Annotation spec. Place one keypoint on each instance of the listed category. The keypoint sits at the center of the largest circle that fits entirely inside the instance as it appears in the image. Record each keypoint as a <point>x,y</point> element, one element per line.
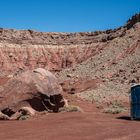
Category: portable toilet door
<point>135,102</point>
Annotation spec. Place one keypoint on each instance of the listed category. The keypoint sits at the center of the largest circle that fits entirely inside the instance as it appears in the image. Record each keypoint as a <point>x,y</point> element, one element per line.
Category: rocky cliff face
<point>52,57</point>
<point>38,38</point>
<point>29,49</point>
<point>110,59</point>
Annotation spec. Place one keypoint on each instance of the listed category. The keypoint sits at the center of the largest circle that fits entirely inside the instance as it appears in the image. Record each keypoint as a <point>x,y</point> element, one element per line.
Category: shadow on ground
<point>124,118</point>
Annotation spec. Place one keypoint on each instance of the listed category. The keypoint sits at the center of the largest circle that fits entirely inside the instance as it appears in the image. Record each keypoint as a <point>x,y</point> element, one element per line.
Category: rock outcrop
<point>132,21</point>
<point>14,56</point>
<point>27,49</point>
<point>111,56</point>
<point>37,89</point>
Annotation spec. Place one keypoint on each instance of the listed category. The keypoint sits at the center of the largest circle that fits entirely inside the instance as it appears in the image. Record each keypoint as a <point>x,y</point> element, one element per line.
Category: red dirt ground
<point>71,126</point>
<point>88,125</point>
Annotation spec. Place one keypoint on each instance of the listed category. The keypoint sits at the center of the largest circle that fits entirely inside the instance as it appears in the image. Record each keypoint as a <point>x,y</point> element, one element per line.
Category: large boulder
<point>37,88</point>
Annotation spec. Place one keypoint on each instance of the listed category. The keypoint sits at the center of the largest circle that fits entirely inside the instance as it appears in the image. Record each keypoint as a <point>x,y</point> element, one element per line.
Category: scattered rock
<point>69,75</point>
<point>4,116</point>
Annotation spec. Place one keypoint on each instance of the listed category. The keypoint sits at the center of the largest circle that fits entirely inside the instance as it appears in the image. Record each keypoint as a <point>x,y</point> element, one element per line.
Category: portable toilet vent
<point>135,102</point>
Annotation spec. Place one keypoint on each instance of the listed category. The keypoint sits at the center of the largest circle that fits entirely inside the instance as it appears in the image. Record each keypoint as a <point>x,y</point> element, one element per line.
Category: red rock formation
<point>29,49</point>
<point>55,58</point>
<point>38,89</point>
<point>112,56</point>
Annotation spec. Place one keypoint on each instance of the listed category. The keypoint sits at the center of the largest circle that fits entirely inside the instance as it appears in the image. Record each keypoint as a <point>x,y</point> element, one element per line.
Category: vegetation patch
<point>71,108</point>
<point>115,108</point>
<point>23,117</point>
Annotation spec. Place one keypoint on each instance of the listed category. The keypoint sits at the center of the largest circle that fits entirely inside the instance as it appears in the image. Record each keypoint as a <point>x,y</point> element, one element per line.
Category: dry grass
<point>115,108</point>
<point>23,117</point>
<point>71,108</point>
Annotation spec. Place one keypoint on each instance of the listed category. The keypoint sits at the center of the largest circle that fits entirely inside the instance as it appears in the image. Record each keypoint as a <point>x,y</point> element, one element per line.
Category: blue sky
<point>66,15</point>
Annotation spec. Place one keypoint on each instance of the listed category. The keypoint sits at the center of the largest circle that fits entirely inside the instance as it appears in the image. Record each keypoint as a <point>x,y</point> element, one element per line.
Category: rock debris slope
<point>111,57</point>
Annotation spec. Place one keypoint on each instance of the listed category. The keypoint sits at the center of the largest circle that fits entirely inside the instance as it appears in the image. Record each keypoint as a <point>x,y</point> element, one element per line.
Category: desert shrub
<point>23,117</point>
<point>115,108</point>
<point>71,108</point>
<point>112,110</point>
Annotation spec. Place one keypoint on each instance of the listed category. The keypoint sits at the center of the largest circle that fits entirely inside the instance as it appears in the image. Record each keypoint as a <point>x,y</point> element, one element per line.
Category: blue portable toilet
<point>135,102</point>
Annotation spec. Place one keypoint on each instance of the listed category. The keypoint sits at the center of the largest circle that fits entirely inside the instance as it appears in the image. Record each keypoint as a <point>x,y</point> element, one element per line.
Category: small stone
<point>10,54</point>
<point>69,75</point>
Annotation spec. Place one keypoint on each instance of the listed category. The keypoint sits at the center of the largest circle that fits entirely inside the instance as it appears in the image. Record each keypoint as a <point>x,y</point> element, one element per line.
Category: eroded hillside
<point>99,66</point>
<point>29,49</point>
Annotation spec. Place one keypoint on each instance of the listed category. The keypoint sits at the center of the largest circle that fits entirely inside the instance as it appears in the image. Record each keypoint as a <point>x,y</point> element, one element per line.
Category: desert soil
<point>88,125</point>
